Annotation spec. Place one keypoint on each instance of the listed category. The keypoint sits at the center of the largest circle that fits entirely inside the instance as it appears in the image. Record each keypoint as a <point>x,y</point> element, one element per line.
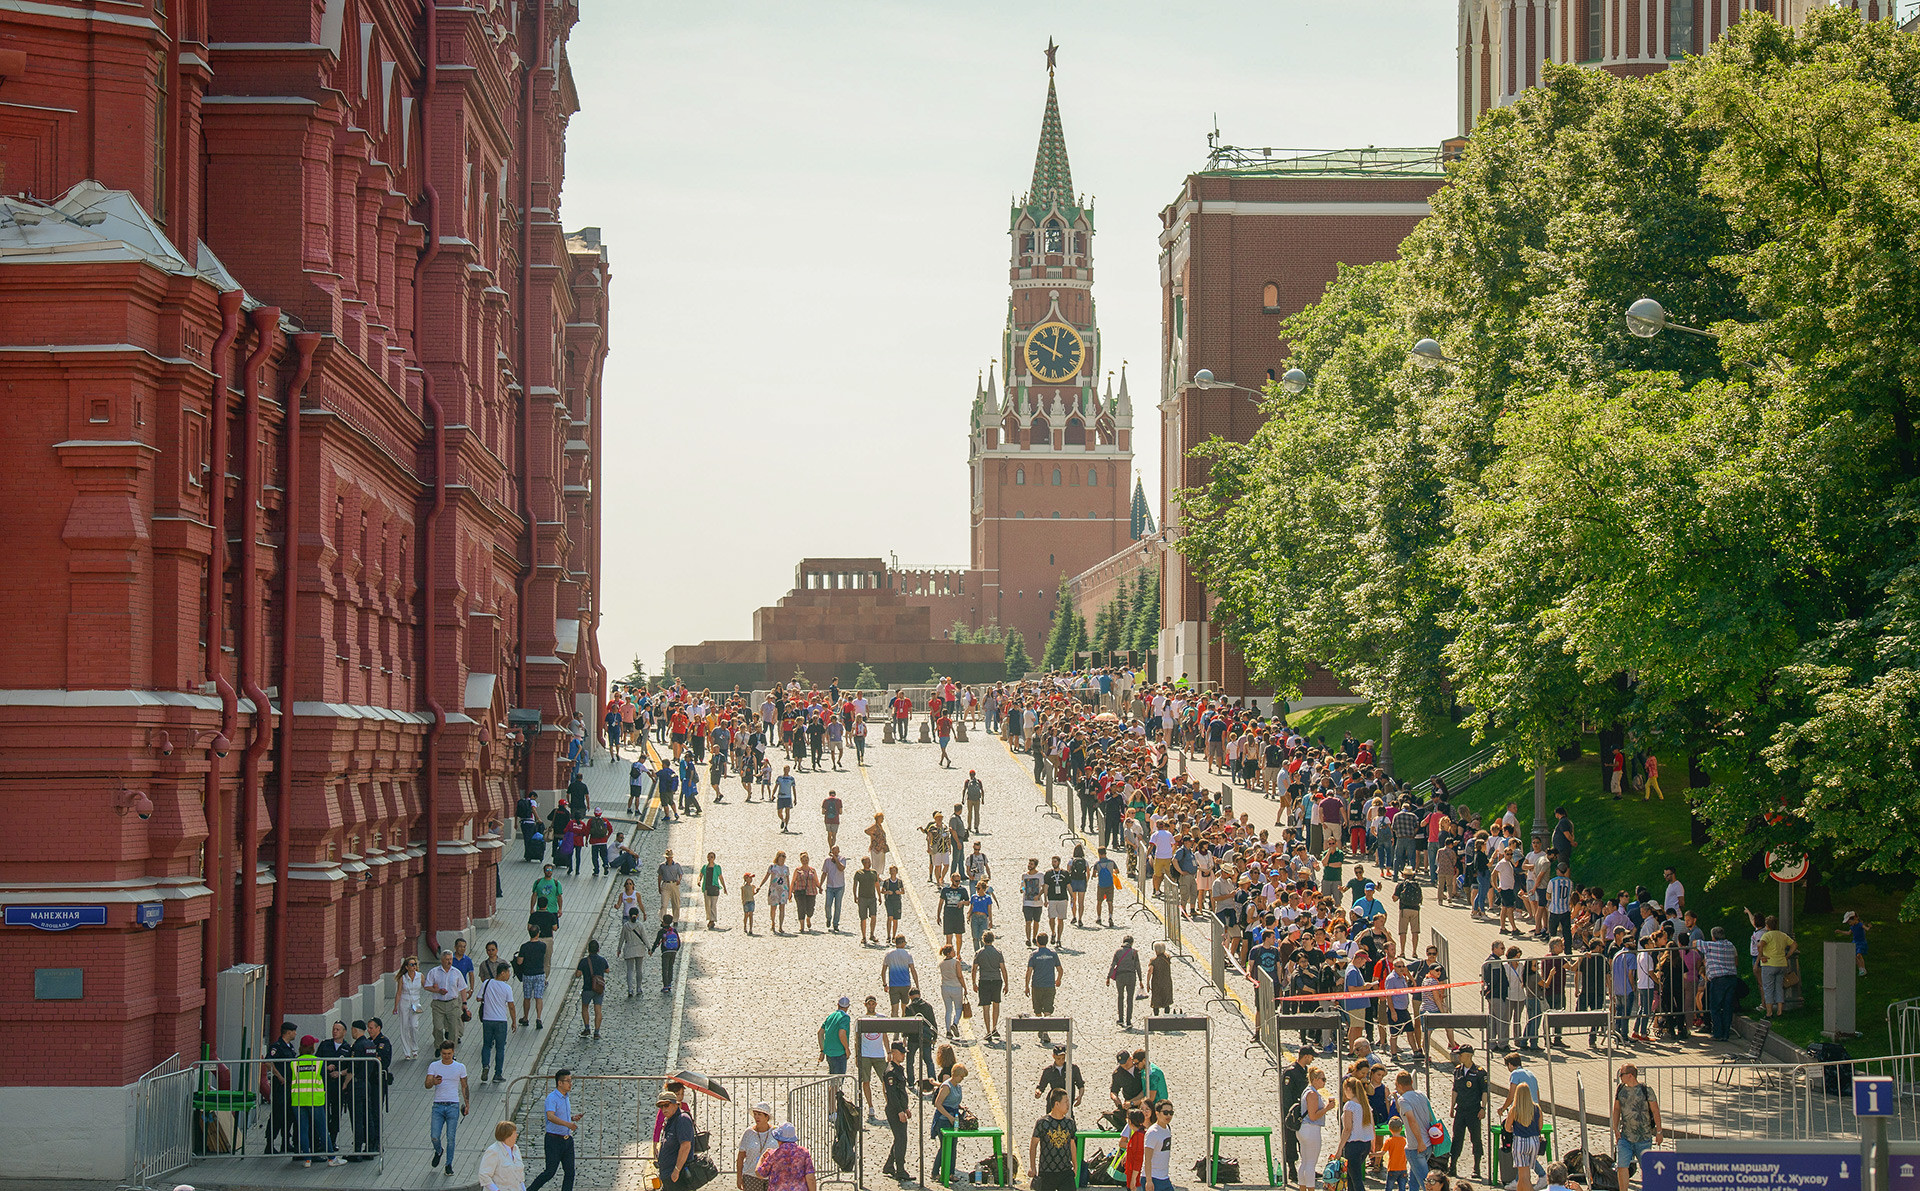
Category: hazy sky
<point>806,208</point>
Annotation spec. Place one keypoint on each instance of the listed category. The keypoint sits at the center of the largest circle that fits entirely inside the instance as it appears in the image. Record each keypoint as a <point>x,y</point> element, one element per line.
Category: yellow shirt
<point>1773,949</point>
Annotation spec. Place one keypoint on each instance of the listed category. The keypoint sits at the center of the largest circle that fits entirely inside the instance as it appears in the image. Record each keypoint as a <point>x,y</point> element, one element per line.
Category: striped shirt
<point>1560,895</point>
<point>1723,959</point>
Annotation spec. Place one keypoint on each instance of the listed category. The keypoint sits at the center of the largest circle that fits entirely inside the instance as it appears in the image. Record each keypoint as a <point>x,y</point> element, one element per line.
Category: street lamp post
<point>1647,318</point>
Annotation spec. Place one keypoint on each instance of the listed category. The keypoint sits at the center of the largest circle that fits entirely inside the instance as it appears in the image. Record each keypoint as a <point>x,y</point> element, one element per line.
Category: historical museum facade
<point>302,416</point>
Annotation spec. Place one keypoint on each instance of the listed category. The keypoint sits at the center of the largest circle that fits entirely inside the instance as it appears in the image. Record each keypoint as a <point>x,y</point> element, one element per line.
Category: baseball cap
<point>844,1002</point>
<point>1849,916</point>
<point>1369,886</point>
<point>309,1040</point>
<point>1059,1048</point>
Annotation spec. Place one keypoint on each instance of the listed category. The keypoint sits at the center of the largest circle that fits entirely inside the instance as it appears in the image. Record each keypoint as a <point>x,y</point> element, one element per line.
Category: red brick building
<point>302,420</point>
<point>843,614</point>
<point>1246,244</point>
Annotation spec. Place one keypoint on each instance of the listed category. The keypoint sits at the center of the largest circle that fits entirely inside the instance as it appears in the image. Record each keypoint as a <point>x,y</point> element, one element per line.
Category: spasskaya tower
<point>1052,462</point>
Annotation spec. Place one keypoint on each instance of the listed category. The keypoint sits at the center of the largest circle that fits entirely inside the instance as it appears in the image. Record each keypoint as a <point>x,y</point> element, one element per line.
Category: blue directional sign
<point>149,914</point>
<point>1873,1096</point>
<point>56,917</point>
<point>1664,1170</point>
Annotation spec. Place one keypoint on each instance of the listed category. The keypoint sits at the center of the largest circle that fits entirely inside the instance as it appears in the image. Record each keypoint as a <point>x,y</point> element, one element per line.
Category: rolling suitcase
<point>535,842</point>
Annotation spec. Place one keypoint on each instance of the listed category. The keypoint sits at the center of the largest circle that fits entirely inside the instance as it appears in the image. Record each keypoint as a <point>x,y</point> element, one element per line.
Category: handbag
<point>966,1010</point>
<point>701,1141</point>
<point>698,1172</point>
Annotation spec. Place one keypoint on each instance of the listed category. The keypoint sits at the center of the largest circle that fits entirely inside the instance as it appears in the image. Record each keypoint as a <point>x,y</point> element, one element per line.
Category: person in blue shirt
<point>689,786</point>
<point>558,1138</point>
<point>783,794</point>
<point>980,911</point>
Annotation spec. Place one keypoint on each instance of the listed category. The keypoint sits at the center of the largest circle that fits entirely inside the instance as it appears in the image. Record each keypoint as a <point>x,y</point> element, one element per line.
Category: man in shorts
<point>1057,883</point>
<point>866,900</point>
<point>989,984</point>
<point>531,963</point>
<point>1044,973</point>
<point>1106,877</point>
<point>1636,1121</point>
<point>871,1057</point>
<point>1031,884</point>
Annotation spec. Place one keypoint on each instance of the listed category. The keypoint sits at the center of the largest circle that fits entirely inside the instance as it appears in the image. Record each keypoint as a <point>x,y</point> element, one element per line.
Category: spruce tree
<point>1018,663</point>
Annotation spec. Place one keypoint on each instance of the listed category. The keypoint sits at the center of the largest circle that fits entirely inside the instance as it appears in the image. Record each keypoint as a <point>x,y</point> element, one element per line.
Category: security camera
<point>221,744</point>
<point>143,806</point>
<point>166,748</point>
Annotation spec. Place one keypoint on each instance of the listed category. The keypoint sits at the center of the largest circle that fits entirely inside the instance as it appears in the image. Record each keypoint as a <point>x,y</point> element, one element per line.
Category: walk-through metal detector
<point>1027,1024</point>
<point>1560,1020</point>
<point>1171,1023</point>
<point>921,1030</point>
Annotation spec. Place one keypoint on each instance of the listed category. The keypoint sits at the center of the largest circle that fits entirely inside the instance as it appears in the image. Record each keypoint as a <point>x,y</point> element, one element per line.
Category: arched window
<point>1075,434</point>
<point>1056,241</point>
<point>1049,560</point>
<point>1019,475</point>
<point>1040,434</point>
<point>1093,477</point>
<point>1056,481</point>
<point>1270,298</point>
<point>1026,242</point>
<point>1021,513</point>
<point>1056,514</point>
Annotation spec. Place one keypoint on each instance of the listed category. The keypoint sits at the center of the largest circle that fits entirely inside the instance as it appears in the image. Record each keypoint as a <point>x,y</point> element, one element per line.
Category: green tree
<point>1143,632</point>
<point>1106,626</point>
<point>866,679</point>
<point>1060,632</point>
<point>1018,663</point>
<point>1714,543</point>
<point>637,676</point>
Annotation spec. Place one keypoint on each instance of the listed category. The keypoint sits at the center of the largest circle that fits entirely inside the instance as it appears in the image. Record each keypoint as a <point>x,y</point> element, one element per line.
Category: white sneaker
<point>336,1160</point>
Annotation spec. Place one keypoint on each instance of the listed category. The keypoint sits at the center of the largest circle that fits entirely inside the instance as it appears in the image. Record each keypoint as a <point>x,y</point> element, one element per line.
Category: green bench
<point>943,1165</point>
<point>1263,1132</point>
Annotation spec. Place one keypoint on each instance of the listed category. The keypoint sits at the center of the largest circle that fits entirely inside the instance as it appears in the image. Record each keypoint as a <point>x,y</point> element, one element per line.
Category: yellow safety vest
<point>309,1090</point>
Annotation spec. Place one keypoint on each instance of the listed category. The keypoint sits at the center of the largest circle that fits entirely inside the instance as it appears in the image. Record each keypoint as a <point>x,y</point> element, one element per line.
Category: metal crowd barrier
<point>162,1123</point>
<point>242,1108</point>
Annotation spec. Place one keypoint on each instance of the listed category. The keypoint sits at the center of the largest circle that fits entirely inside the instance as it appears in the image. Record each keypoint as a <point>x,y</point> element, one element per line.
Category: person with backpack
<point>1077,873</point>
<point>666,941</point>
<point>599,831</point>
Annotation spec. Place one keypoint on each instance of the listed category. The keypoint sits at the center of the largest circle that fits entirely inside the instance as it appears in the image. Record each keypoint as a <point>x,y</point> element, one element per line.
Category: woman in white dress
<point>1313,1111</point>
<point>406,1007</point>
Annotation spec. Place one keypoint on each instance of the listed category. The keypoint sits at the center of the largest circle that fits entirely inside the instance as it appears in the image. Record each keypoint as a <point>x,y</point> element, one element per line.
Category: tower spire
<point>1052,179</point>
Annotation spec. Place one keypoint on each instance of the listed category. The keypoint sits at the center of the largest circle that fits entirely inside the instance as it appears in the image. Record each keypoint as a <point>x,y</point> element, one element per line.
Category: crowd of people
<point>1319,908</point>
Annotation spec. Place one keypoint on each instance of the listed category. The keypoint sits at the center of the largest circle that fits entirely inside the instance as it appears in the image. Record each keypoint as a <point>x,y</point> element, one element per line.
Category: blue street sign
<point>1873,1096</point>
<point>149,914</point>
<point>56,917</point>
<point>1664,1170</point>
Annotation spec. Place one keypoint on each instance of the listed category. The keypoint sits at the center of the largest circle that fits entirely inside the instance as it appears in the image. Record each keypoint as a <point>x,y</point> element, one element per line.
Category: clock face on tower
<point>1054,352</point>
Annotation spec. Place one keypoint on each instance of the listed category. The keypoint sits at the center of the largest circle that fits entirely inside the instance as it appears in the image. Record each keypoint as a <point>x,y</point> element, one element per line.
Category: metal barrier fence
<point>1903,1038</point>
<point>1776,1100</point>
<point>239,1108</point>
<point>617,1114</point>
<point>162,1119</point>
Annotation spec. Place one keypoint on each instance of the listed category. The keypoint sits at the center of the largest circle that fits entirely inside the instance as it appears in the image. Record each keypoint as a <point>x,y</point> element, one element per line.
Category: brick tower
<point>1049,464</point>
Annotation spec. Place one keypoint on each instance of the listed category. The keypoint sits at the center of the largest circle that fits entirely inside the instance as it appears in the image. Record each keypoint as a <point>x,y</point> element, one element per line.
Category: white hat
<point>763,1106</point>
<point>1849,916</point>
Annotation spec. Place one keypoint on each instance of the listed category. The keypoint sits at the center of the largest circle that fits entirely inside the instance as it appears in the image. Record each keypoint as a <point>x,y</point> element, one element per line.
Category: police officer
<point>364,1093</point>
<point>280,1118</point>
<point>894,1081</point>
<point>1469,1101</point>
<point>334,1052</point>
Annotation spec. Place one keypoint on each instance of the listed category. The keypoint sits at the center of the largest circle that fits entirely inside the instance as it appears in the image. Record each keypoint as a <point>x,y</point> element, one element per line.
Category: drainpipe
<point>430,531</point>
<point>213,862</point>
<point>266,324</point>
<point>303,346</point>
<point>535,63</point>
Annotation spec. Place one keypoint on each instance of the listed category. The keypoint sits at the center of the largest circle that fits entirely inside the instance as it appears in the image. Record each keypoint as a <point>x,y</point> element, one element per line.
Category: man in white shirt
<point>1503,881</point>
<point>447,1080</point>
<point>1676,899</point>
<point>450,990</point>
<point>496,1021</point>
<point>1161,841</point>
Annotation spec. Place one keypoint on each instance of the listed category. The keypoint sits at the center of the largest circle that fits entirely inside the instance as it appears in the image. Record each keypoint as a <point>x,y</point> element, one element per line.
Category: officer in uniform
<point>1469,1101</point>
<point>894,1081</point>
<point>333,1052</point>
<point>1293,1085</point>
<point>280,1114</point>
<point>364,1092</point>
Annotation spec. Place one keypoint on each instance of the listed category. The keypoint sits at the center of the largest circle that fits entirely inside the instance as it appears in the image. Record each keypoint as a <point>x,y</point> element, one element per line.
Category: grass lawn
<point>1628,843</point>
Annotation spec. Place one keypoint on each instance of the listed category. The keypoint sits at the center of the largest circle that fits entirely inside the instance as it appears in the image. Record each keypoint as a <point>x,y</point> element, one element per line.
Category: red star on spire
<point>1052,49</point>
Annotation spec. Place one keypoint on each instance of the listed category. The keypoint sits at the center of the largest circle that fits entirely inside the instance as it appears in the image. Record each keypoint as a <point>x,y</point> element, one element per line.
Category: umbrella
<point>700,1083</point>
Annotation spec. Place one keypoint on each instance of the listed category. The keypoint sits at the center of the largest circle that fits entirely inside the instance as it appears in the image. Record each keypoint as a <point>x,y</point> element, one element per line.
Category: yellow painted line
<point>973,1048</point>
<point>1120,883</point>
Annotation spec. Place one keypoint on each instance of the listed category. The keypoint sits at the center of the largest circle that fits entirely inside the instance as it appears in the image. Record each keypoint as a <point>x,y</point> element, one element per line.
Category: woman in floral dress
<point>776,883</point>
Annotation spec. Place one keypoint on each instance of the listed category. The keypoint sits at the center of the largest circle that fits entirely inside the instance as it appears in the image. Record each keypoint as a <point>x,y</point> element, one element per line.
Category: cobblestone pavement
<point>753,1004</point>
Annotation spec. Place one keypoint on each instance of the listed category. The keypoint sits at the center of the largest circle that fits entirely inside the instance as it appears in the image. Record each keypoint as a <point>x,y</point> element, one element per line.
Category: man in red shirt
<point>677,729</point>
<point>1619,772</point>
<point>902,708</point>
